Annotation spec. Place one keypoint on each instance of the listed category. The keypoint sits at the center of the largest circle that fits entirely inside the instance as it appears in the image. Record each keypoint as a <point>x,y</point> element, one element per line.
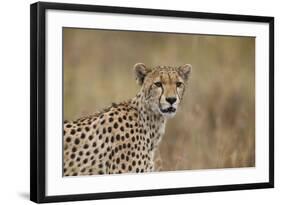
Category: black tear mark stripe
<point>148,94</point>
<point>180,96</point>
<point>162,91</point>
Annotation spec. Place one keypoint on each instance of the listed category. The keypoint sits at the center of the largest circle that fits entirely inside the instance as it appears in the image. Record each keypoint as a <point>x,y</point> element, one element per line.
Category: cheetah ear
<point>185,71</point>
<point>141,71</point>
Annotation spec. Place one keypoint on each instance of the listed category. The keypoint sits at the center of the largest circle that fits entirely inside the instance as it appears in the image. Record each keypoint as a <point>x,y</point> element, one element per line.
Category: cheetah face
<point>163,86</point>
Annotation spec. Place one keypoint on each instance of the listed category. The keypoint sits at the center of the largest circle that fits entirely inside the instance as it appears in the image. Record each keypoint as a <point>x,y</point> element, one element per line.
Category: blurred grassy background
<point>215,127</point>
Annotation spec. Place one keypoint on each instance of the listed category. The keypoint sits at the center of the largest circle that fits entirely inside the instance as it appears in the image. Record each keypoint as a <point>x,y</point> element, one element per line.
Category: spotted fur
<point>124,137</point>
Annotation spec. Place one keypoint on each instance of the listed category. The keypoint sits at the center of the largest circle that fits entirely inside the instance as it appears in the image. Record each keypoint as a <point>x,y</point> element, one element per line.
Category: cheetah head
<point>163,86</point>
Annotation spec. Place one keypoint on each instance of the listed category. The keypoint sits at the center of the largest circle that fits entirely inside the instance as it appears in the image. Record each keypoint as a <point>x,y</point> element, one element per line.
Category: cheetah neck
<point>153,122</point>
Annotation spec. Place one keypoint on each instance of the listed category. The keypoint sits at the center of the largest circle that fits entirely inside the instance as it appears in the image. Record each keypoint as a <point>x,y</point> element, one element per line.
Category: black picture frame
<point>38,101</point>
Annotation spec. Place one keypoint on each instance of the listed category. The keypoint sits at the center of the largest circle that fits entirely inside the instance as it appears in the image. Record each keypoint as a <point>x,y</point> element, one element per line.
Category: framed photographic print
<point>129,102</point>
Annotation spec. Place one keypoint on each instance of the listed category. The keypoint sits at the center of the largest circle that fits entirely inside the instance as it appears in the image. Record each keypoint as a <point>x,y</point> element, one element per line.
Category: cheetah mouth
<point>169,110</point>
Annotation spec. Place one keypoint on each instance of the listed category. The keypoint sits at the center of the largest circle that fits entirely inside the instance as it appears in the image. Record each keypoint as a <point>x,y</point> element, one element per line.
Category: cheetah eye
<point>158,84</point>
<point>179,84</point>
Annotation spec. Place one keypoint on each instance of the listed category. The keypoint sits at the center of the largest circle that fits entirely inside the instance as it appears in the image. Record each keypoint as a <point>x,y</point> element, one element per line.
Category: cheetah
<point>123,138</point>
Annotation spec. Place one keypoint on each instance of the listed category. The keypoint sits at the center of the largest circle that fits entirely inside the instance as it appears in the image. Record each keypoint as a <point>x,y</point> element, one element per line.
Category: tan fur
<point>124,137</point>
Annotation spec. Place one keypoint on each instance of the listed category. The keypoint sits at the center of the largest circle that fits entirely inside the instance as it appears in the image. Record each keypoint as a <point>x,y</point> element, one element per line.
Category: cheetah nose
<point>171,100</point>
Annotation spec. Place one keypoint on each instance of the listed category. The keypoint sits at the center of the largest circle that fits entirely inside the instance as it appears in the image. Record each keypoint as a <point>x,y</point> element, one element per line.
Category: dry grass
<point>215,127</point>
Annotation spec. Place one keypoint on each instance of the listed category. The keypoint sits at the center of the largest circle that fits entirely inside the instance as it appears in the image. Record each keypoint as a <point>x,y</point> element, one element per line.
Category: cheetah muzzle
<point>124,137</point>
